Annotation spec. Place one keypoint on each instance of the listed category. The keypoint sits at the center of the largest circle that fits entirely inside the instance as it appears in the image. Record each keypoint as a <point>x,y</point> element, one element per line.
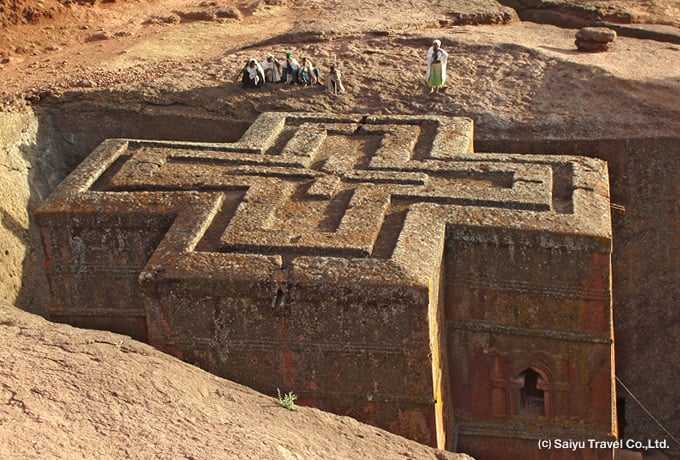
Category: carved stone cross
<point>365,262</point>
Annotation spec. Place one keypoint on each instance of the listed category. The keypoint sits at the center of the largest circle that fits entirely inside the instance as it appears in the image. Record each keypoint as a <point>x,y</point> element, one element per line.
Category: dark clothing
<point>250,83</point>
<point>288,70</point>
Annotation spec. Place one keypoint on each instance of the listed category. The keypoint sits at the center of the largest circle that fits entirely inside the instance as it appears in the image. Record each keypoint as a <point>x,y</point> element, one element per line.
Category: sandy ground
<point>510,78</point>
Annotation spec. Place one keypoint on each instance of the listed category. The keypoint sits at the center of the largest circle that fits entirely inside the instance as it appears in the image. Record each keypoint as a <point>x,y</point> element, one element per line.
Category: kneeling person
<point>272,69</point>
<point>253,74</point>
<point>309,75</point>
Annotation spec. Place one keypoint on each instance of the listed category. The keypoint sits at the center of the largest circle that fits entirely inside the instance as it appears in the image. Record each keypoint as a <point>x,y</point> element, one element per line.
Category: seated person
<point>334,81</point>
<point>309,75</point>
<point>272,69</point>
<point>253,75</point>
<point>290,69</point>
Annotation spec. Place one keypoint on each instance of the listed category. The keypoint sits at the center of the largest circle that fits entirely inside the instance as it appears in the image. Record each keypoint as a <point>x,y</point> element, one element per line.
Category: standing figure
<point>436,66</point>
<point>309,75</point>
<point>334,81</point>
<point>253,74</point>
<point>272,69</point>
<point>290,69</point>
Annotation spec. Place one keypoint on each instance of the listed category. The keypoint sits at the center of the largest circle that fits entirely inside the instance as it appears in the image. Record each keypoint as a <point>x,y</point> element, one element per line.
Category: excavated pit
<point>42,146</point>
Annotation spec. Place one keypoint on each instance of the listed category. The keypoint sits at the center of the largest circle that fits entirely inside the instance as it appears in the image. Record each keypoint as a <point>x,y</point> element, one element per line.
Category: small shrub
<point>287,400</point>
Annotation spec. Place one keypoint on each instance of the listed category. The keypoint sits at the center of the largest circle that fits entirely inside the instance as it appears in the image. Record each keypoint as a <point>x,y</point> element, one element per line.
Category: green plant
<point>287,400</point>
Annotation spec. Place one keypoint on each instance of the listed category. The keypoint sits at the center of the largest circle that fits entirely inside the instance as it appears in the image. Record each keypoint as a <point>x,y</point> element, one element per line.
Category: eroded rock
<point>594,38</point>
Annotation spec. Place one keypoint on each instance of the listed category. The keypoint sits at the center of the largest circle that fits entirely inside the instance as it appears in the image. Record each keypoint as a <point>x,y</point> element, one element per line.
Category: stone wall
<point>77,127</point>
<point>646,269</point>
<point>26,178</point>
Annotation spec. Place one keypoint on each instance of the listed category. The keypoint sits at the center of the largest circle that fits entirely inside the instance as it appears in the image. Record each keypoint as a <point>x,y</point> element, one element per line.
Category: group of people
<point>255,74</point>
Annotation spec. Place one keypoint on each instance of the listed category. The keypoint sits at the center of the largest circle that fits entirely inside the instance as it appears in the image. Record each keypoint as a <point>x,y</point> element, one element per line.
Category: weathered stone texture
<point>374,265</point>
<point>594,38</point>
<point>646,270</point>
<point>596,34</point>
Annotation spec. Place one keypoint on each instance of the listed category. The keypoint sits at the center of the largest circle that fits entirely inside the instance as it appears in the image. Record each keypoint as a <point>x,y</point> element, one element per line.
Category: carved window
<point>532,394</point>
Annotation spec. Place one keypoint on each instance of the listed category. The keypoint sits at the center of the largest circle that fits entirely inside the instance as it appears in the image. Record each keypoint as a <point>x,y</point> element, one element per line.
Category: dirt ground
<point>510,78</point>
<point>82,394</point>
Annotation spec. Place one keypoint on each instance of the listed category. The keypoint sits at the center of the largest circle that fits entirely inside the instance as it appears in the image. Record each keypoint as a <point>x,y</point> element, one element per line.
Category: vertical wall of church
<point>646,270</point>
<point>362,349</point>
<point>93,262</point>
<point>529,325</point>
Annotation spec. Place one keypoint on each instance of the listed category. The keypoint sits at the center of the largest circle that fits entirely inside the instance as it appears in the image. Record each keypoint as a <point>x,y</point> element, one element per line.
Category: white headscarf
<point>271,65</point>
<point>255,72</point>
<point>443,57</point>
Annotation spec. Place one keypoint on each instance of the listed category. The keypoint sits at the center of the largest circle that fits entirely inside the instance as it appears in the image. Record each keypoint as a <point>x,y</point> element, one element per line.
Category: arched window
<point>532,396</point>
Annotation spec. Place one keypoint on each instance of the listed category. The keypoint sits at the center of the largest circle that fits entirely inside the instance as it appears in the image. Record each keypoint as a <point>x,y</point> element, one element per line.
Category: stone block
<point>374,265</point>
<point>594,39</point>
<point>596,34</point>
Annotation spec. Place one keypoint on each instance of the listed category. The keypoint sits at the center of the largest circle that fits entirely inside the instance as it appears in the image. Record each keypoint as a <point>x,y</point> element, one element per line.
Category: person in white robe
<point>253,74</point>
<point>334,81</point>
<point>435,76</point>
<point>290,69</point>
<point>309,75</point>
<point>272,69</point>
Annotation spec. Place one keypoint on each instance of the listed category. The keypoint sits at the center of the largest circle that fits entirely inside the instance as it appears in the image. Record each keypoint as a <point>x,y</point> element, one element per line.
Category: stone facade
<point>376,266</point>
